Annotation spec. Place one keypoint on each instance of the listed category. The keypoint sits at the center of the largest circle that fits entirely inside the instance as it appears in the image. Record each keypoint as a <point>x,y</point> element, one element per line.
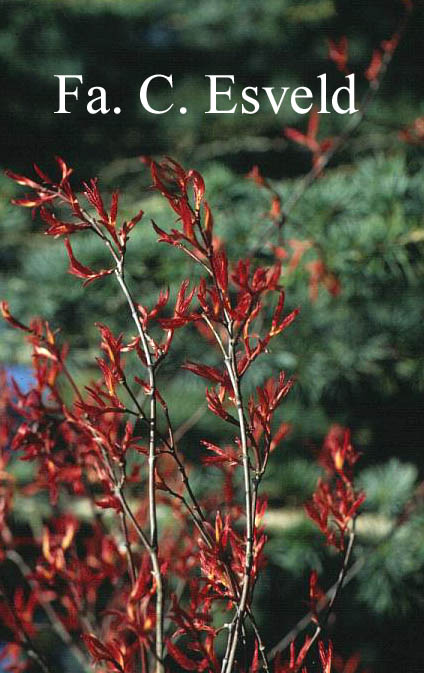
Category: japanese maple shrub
<point>120,591</point>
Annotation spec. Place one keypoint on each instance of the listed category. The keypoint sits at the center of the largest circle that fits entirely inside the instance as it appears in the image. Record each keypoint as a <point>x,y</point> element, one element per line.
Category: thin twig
<point>152,545</point>
<point>231,365</point>
<point>327,601</point>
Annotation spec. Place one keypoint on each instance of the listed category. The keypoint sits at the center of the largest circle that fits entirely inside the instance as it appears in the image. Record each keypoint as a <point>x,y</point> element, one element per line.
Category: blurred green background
<point>358,357</point>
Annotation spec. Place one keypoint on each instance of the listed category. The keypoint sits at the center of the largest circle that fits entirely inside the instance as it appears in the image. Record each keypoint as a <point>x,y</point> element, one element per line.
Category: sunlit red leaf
<point>4,307</point>
<point>82,271</point>
<point>205,371</point>
<point>182,659</point>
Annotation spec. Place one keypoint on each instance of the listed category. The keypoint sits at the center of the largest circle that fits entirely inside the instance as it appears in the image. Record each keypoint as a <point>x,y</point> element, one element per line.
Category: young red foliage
<point>81,448</point>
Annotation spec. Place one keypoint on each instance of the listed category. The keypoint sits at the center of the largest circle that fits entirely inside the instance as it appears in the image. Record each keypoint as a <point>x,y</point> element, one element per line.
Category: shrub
<point>130,564</point>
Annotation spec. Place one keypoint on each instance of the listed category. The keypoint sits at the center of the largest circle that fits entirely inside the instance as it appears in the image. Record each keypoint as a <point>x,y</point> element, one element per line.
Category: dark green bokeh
<point>358,356</point>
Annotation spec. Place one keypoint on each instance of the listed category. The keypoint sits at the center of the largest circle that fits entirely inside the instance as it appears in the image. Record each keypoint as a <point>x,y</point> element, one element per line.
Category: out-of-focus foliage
<point>117,44</point>
<point>357,356</point>
<point>389,486</point>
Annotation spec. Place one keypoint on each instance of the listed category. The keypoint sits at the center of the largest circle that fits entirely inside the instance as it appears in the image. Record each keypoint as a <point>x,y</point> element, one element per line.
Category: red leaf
<point>187,218</point>
<point>32,202</point>
<point>114,209</point>
<point>308,139</point>
<point>205,371</point>
<point>93,196</point>
<point>42,175</point>
<point>300,138</point>
<point>4,308</point>
<point>128,226</point>
<point>22,180</point>
<point>390,45</point>
<point>215,405</point>
<point>220,265</point>
<point>286,322</point>
<point>183,302</point>
<point>172,239</point>
<point>109,501</point>
<point>227,455</point>
<point>279,435</point>
<point>182,659</point>
<point>208,222</point>
<point>57,227</point>
<point>338,52</point>
<point>373,70</point>
<point>313,123</point>
<point>198,187</point>
<point>158,182</point>
<point>95,647</point>
<point>82,271</point>
<point>325,656</point>
<point>66,171</point>
<point>255,175</point>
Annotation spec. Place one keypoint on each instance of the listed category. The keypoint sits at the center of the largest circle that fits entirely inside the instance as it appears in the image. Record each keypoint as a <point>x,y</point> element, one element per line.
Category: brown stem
<point>194,509</point>
<point>339,585</point>
<point>174,452</point>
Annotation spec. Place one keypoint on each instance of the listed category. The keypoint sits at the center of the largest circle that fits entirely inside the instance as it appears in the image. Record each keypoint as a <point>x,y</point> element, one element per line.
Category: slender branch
<point>339,584</point>
<point>237,624</point>
<point>130,557</point>
<point>128,511</point>
<point>343,571</point>
<point>327,602</point>
<point>173,450</point>
<point>194,509</point>
<point>151,546</point>
<point>226,658</point>
<point>231,365</point>
<point>133,578</point>
<point>258,637</point>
